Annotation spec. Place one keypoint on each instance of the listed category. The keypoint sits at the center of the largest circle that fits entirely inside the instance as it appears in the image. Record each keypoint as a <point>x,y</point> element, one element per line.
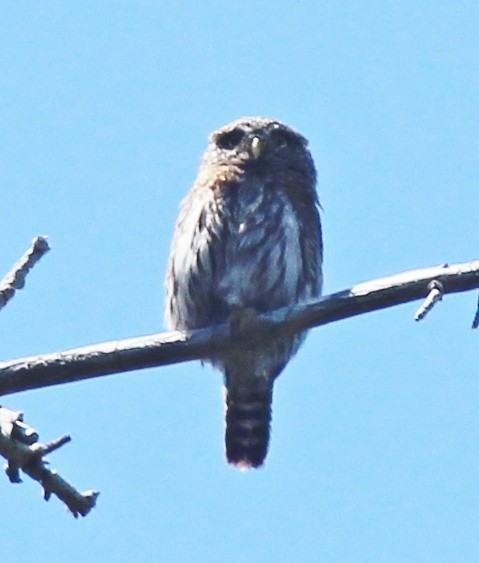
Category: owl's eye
<point>230,139</point>
<point>283,139</point>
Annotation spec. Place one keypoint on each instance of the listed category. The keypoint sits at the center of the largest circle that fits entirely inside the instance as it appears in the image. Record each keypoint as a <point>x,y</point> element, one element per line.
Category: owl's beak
<point>256,147</point>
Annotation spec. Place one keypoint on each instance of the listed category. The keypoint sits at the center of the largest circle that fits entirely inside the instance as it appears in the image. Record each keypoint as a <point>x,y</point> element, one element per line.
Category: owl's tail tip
<point>244,464</point>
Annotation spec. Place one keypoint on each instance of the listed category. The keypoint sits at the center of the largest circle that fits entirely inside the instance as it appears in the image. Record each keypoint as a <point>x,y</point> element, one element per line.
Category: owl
<point>247,241</point>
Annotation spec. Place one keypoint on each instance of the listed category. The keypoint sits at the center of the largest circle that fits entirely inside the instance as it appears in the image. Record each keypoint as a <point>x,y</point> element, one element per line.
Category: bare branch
<point>19,446</point>
<point>174,347</point>
<point>15,279</point>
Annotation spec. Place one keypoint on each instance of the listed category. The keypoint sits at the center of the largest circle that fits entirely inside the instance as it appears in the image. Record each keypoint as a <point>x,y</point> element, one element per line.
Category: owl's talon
<point>241,320</point>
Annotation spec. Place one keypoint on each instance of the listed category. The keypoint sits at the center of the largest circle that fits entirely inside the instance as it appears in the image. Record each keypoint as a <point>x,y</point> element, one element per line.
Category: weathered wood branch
<point>174,347</point>
<point>15,279</point>
<point>19,445</point>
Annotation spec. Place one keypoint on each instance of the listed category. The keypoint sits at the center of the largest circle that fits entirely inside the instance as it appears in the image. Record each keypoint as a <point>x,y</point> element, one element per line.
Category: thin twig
<point>15,279</point>
<point>174,347</point>
<point>54,445</point>
<point>435,294</point>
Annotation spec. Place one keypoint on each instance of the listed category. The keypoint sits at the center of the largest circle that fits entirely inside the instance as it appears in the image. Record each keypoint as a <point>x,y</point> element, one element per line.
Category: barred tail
<point>248,418</point>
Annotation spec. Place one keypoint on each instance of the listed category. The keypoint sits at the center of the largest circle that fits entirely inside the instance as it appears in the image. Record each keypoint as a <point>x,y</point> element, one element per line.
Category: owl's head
<point>261,145</point>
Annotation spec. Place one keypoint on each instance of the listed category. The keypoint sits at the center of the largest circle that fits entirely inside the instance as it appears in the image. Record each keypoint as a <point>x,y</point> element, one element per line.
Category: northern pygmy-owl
<point>248,238</point>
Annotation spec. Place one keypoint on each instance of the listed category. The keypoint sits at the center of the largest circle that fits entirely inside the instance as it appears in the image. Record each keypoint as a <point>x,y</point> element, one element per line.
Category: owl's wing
<point>311,242</point>
<point>196,251</point>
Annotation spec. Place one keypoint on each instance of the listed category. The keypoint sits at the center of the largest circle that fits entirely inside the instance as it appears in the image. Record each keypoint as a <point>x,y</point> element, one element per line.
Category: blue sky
<point>105,108</point>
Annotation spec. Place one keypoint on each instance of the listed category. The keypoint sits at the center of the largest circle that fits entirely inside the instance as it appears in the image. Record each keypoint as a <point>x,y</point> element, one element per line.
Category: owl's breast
<point>263,260</point>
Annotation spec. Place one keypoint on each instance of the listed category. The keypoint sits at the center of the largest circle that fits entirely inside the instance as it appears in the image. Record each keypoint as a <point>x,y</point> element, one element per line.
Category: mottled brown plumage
<point>248,239</point>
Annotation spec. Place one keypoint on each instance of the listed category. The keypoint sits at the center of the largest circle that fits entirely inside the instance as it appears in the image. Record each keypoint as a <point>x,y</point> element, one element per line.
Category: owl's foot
<point>242,320</point>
